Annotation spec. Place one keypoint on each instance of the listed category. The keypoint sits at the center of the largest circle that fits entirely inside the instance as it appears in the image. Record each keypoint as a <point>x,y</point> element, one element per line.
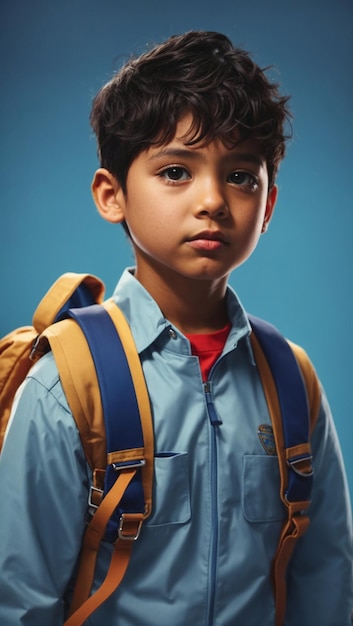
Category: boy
<point>190,138</point>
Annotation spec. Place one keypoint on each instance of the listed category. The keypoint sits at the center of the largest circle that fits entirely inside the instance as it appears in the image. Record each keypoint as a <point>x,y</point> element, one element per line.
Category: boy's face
<point>194,212</point>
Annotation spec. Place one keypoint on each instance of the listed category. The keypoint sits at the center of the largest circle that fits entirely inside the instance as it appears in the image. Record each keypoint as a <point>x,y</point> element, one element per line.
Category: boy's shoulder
<point>47,380</point>
<point>39,410</point>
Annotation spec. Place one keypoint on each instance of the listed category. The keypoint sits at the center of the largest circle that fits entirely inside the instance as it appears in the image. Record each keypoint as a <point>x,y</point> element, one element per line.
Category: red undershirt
<point>208,347</point>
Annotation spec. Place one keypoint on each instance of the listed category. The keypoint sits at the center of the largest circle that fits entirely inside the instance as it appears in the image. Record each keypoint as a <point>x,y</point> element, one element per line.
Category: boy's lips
<point>208,240</point>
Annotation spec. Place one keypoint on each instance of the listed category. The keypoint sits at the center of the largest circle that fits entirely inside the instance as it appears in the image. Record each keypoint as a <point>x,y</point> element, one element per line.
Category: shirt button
<point>172,333</point>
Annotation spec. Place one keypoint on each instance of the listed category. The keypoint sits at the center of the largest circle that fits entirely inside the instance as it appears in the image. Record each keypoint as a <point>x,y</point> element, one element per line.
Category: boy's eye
<point>175,173</point>
<point>243,178</point>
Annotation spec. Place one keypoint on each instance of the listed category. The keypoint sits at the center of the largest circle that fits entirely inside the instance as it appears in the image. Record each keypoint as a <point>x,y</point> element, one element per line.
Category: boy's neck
<point>190,305</point>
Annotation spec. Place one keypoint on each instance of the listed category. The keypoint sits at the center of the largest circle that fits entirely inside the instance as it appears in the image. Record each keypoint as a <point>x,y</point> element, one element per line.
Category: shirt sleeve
<point>43,495</point>
<point>320,584</point>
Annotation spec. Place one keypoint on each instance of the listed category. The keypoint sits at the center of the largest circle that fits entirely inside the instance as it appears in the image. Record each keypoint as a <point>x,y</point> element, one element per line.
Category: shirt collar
<point>143,314</point>
<point>147,321</point>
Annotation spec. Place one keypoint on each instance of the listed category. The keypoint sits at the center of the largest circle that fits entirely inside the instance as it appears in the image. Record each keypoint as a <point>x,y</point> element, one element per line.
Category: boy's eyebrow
<point>249,157</point>
<point>175,152</point>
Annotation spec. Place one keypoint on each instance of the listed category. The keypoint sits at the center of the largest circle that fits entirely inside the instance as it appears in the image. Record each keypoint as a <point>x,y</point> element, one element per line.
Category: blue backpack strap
<point>292,397</point>
<point>286,396</point>
<point>120,409</point>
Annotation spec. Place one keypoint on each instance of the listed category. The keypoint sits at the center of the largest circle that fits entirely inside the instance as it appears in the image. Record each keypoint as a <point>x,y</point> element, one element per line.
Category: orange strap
<point>82,605</point>
<point>297,521</point>
<point>295,526</point>
<point>118,565</point>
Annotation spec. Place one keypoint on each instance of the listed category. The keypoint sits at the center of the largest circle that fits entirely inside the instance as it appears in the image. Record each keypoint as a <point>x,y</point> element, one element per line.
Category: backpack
<point>89,339</point>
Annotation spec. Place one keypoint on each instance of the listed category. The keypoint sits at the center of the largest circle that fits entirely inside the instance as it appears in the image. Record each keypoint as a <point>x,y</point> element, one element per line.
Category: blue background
<point>56,55</point>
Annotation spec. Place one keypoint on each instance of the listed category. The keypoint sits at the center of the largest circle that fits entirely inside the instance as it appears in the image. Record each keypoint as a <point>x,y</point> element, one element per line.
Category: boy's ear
<point>108,196</point>
<point>270,206</point>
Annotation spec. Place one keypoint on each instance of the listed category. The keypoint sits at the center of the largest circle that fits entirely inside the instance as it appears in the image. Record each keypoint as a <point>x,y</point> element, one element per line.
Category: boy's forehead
<point>180,146</point>
<point>185,139</point>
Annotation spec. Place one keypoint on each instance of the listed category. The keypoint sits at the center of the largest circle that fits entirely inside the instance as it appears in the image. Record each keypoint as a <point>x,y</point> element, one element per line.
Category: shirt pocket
<point>171,490</point>
<point>261,489</point>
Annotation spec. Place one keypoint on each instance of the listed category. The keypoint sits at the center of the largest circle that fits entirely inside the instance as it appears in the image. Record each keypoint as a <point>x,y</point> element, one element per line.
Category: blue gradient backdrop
<point>56,54</point>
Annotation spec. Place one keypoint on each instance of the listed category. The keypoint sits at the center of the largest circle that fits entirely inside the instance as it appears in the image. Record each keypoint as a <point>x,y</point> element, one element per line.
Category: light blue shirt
<point>204,556</point>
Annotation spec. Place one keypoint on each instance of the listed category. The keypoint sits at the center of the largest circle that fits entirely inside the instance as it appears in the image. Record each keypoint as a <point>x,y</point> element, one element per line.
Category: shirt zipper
<point>215,421</point>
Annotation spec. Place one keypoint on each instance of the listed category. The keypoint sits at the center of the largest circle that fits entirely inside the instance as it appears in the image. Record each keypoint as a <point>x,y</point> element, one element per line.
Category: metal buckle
<point>125,536</point>
<point>128,465</point>
<point>90,502</point>
<point>293,464</point>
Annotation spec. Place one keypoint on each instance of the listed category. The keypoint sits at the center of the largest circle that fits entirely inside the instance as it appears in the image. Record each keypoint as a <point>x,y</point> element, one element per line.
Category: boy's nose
<point>211,200</point>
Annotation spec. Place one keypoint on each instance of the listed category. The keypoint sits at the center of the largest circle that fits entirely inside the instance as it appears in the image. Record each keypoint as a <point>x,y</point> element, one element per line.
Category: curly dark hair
<point>202,73</point>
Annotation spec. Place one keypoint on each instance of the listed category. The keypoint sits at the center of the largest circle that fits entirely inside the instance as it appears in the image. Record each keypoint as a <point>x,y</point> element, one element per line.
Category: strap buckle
<point>128,464</point>
<point>295,463</point>
<point>92,500</point>
<point>130,525</point>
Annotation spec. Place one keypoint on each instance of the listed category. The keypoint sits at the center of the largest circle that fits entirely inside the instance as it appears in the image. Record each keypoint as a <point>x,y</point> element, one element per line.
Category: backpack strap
<point>129,437</point>
<point>69,290</point>
<point>101,374</point>
<point>292,417</point>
